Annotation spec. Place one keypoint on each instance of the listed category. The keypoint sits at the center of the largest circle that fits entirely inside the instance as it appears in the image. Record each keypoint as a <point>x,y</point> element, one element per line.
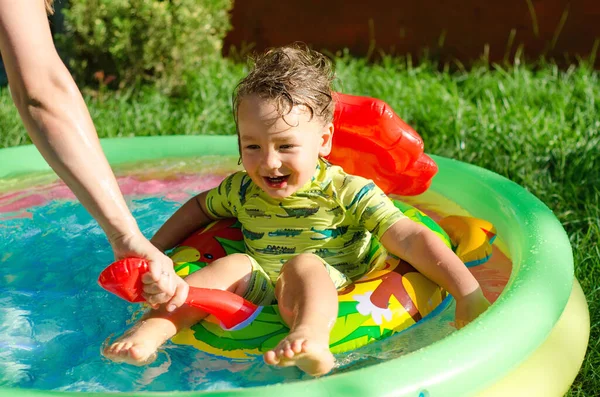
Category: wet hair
<point>49,6</point>
<point>290,76</point>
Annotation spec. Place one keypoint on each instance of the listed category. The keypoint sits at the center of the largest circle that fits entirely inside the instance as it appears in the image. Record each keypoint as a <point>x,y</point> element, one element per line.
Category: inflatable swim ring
<point>378,305</point>
<point>541,314</point>
<point>365,312</point>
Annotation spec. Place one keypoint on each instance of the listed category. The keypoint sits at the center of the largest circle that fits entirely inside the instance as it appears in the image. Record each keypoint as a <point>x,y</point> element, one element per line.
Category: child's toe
<point>289,353</point>
<point>270,357</point>
<point>297,346</point>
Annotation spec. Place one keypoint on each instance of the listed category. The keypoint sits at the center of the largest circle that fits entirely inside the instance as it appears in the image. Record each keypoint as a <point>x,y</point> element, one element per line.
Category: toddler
<point>309,228</point>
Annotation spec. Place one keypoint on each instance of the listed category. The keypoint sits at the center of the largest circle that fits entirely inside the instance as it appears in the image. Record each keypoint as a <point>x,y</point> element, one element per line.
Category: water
<point>54,318</point>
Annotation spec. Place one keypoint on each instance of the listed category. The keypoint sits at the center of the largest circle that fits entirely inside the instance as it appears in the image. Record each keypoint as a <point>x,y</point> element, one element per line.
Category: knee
<point>237,257</point>
<point>301,262</point>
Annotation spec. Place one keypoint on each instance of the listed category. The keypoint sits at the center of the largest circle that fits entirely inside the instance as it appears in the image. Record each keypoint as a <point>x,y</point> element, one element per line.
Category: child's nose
<point>272,160</point>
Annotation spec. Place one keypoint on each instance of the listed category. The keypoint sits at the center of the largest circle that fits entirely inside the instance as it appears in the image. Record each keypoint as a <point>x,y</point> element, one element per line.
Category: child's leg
<point>138,345</point>
<point>308,304</point>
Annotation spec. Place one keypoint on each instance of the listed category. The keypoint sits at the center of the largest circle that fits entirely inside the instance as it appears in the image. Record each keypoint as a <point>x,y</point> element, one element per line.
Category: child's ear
<point>326,140</point>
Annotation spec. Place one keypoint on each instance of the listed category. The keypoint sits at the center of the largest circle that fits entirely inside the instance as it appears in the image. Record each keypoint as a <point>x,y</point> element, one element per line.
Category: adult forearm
<point>55,114</point>
<point>58,122</point>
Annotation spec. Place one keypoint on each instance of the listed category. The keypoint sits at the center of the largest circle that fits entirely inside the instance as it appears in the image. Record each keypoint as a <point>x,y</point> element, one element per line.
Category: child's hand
<point>469,307</point>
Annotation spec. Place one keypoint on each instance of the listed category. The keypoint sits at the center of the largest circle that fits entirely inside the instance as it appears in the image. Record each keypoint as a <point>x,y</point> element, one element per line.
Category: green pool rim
<point>463,363</point>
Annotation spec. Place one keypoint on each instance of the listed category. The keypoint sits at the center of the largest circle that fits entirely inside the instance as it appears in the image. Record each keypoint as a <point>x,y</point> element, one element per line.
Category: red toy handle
<point>124,279</point>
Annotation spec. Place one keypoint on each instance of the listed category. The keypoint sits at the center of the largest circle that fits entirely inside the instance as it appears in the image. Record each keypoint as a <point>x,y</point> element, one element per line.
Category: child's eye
<point>286,147</point>
<point>252,147</point>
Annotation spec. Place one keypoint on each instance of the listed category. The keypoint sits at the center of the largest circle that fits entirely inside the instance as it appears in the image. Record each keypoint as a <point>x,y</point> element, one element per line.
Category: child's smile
<point>278,182</point>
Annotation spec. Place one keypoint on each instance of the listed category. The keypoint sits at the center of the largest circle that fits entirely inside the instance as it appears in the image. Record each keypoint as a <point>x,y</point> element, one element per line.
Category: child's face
<point>280,155</point>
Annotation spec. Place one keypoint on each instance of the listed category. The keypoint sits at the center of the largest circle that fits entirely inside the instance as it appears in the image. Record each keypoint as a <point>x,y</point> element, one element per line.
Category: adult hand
<point>161,284</point>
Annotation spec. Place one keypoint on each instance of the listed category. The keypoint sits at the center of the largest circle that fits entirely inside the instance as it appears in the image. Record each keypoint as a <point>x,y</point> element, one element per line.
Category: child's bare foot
<point>134,348</point>
<point>304,348</point>
<point>130,352</point>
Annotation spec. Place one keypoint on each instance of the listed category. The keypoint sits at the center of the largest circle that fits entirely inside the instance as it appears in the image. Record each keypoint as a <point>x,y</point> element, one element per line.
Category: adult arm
<point>58,122</point>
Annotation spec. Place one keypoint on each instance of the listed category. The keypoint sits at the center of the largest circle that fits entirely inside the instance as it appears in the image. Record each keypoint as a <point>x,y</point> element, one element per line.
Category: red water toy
<point>370,140</point>
<point>124,279</point>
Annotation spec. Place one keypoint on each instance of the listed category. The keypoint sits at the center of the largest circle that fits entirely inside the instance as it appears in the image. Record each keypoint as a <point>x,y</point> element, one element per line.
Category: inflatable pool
<point>531,341</point>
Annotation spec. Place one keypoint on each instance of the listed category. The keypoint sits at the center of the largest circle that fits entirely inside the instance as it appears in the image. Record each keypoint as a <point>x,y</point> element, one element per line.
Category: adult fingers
<point>161,291</point>
<point>156,273</point>
<point>181,293</point>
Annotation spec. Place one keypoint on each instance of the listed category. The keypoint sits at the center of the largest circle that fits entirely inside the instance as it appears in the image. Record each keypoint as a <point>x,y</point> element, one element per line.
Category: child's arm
<point>186,220</point>
<point>424,250</point>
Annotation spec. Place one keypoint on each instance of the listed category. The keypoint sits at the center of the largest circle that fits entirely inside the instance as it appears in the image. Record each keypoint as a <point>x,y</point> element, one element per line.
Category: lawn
<point>537,125</point>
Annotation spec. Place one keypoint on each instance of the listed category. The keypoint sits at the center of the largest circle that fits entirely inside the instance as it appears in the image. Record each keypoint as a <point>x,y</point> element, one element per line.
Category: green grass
<point>538,126</point>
